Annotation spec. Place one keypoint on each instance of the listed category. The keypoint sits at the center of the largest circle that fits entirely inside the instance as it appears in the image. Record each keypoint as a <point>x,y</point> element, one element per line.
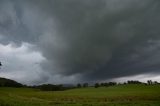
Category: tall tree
<point>79,85</point>
<point>96,85</point>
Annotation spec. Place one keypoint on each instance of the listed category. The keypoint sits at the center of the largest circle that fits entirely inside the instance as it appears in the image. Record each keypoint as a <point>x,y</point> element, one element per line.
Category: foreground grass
<point>120,95</point>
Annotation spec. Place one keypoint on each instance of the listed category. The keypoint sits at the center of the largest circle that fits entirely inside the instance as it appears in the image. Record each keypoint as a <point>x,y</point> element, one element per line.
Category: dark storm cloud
<point>94,39</point>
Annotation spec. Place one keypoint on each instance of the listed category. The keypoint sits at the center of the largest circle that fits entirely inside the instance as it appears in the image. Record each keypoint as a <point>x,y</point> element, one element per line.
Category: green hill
<point>4,82</point>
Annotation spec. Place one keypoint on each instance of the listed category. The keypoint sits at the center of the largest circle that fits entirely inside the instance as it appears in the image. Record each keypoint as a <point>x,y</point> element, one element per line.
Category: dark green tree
<point>85,85</point>
<point>79,85</point>
<point>149,82</point>
<point>96,85</point>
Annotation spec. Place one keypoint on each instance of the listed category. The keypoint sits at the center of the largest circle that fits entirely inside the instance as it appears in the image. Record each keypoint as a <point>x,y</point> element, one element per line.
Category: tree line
<point>107,84</point>
<point>60,87</point>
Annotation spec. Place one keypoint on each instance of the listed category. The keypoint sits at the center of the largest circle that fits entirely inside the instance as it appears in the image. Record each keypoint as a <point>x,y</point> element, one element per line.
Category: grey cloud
<point>95,39</point>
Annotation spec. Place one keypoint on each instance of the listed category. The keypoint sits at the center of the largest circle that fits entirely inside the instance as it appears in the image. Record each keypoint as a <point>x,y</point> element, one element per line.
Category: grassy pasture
<point>120,95</point>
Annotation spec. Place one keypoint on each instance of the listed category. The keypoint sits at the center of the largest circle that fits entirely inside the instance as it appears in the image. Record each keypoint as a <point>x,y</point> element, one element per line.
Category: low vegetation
<point>119,95</point>
<point>131,93</point>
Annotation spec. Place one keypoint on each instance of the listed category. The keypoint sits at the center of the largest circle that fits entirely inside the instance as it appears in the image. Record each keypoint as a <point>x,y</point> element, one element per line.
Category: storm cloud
<point>86,40</point>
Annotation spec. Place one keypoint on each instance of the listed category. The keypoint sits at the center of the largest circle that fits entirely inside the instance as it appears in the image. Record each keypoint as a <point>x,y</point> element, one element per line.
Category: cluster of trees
<point>107,84</point>
<point>52,87</point>
<point>96,85</point>
<point>134,82</point>
<point>82,85</point>
<point>150,82</point>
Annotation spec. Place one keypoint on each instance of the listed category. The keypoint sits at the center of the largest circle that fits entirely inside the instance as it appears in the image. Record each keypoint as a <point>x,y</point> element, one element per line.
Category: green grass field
<point>120,95</point>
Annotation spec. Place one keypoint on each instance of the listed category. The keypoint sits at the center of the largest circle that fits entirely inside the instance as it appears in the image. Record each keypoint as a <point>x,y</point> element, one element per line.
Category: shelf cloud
<point>84,40</point>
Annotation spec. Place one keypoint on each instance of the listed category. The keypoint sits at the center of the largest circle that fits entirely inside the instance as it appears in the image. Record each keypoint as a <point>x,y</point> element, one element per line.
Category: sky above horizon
<point>71,41</point>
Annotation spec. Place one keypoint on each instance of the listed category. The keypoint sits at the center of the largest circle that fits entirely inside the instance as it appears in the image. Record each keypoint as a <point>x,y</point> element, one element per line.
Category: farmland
<point>119,95</point>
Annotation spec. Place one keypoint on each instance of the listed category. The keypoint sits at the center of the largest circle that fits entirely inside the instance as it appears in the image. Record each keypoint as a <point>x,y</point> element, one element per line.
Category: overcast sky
<point>71,41</point>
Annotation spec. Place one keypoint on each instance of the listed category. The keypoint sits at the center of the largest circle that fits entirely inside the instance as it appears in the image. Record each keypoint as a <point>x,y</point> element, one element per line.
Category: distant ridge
<point>4,82</point>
